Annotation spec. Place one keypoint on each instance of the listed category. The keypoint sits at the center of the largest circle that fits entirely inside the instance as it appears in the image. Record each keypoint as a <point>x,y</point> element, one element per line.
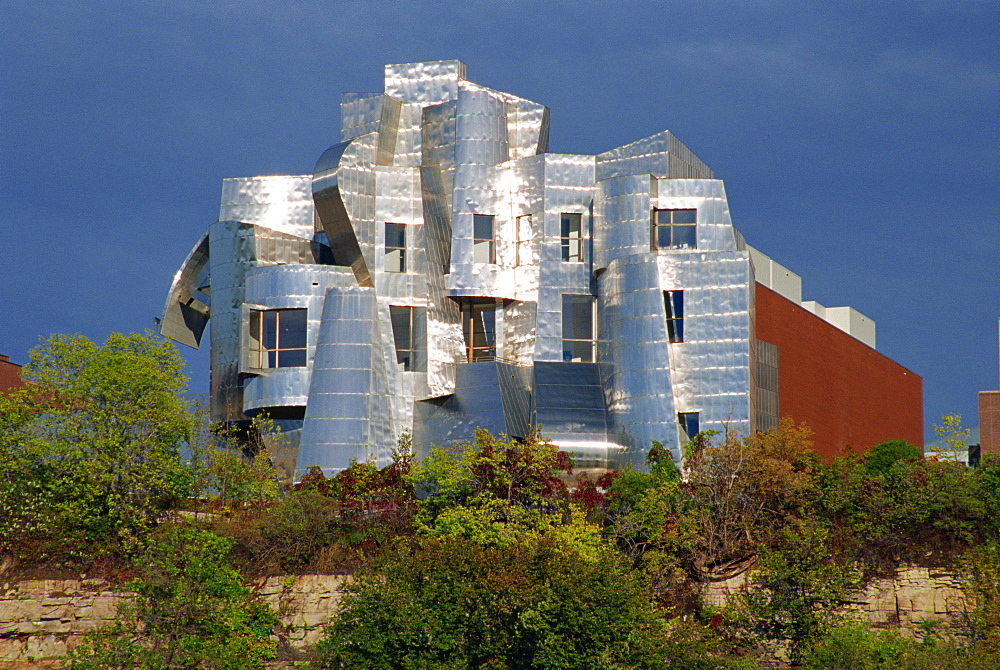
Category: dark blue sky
<point>859,142</point>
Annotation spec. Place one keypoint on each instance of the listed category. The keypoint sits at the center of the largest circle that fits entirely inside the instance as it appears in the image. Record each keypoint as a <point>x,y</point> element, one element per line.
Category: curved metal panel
<point>185,314</point>
<point>635,359</point>
<point>333,213</point>
<point>349,415</point>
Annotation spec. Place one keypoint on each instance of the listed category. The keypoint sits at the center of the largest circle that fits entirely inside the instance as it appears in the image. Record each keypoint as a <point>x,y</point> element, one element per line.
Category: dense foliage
<point>489,553</point>
<point>190,610</point>
<point>90,448</point>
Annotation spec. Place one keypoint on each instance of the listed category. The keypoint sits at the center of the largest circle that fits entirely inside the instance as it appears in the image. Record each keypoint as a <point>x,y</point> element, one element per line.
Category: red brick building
<point>989,422</point>
<point>828,374</point>
<point>848,393</point>
<point>10,374</point>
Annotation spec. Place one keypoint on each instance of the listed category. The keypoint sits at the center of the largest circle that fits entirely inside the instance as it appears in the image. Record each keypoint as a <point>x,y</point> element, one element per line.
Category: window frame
<point>478,242</point>
<point>568,298</point>
<point>412,356</point>
<point>261,355</point>
<point>674,228</point>
<point>388,250</point>
<point>469,309</point>
<point>568,238</point>
<point>684,424</point>
<point>673,311</point>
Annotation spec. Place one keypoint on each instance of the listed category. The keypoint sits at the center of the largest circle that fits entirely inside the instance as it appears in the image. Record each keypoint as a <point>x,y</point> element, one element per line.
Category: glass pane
<point>663,237</point>
<point>672,331</point>
<point>578,317</point>
<point>253,343</point>
<point>570,226</point>
<point>400,326</point>
<point>272,359</point>
<point>395,235</point>
<point>482,226</point>
<point>291,358</point>
<point>404,358</point>
<point>418,336</point>
<point>483,252</point>
<point>395,260</point>
<point>270,331</point>
<point>673,303</point>
<point>685,237</point>
<point>484,326</point>
<point>685,216</point>
<point>576,251</point>
<point>578,352</point>
<point>292,334</point>
<point>689,422</point>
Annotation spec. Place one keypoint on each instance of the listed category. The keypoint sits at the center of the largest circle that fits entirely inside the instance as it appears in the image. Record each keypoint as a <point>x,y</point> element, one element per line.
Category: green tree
<point>798,593</point>
<point>238,464</point>
<point>884,454</point>
<point>90,448</point>
<point>953,435</point>
<point>904,509</point>
<point>190,610</point>
<point>452,603</point>
<point>745,491</point>
<point>492,489</point>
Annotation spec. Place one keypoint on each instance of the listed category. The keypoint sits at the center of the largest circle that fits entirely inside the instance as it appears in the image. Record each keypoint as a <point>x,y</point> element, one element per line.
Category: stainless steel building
<point>441,270</point>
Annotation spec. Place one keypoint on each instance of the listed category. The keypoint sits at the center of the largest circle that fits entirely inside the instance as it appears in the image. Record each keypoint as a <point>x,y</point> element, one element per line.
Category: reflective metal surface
<point>433,154</point>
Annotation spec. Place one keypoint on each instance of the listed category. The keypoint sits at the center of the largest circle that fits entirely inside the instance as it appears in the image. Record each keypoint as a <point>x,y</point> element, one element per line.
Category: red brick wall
<point>10,374</point>
<point>989,422</point>
<point>848,393</point>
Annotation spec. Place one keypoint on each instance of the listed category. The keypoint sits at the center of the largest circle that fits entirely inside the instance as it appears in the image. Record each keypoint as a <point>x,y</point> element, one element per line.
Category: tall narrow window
<point>673,303</point>
<point>479,327</point>
<point>689,425</point>
<point>578,328</point>
<point>675,229</point>
<point>408,328</point>
<point>522,249</point>
<point>484,247</point>
<point>395,247</point>
<point>277,338</point>
<point>571,232</point>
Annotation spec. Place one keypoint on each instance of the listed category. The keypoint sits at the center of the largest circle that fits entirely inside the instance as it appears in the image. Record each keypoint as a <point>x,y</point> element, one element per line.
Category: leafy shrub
<point>884,454</point>
<point>857,647</point>
<point>452,603</point>
<point>190,610</point>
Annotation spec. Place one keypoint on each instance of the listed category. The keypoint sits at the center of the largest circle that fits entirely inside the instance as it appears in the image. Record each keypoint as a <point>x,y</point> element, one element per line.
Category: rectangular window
<point>409,326</point>
<point>571,232</point>
<point>675,229</point>
<point>395,247</point>
<point>673,304</point>
<point>578,328</point>
<point>479,327</point>
<point>689,425</point>
<point>277,338</point>
<point>484,247</point>
<point>522,248</point>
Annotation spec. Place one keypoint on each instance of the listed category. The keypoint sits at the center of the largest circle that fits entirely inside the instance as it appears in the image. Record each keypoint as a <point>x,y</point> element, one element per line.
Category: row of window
<point>672,229</point>
<point>278,336</point>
